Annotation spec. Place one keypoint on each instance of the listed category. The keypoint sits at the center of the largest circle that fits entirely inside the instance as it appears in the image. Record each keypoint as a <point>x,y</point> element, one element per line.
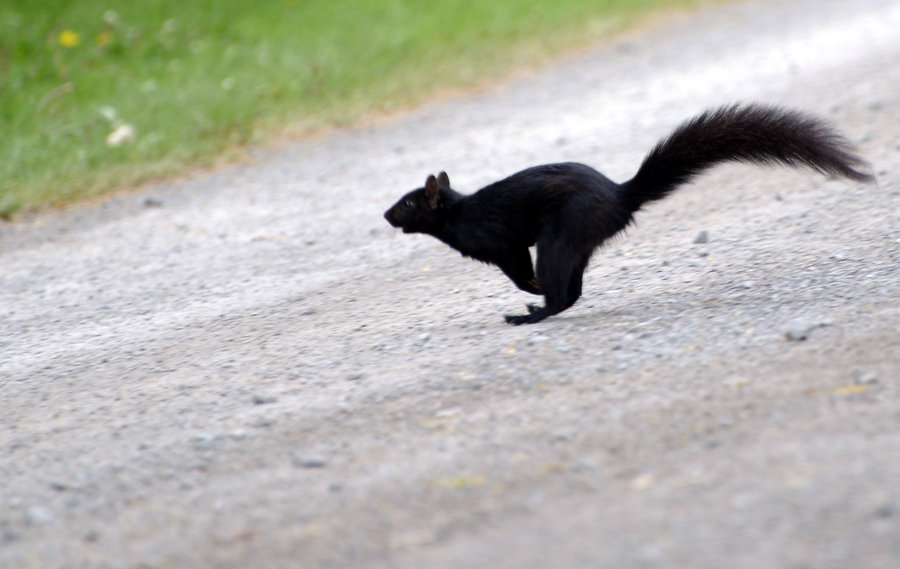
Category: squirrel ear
<point>432,191</point>
<point>443,180</point>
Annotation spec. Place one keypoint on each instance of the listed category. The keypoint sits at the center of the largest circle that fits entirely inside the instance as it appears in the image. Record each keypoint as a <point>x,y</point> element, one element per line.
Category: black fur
<point>569,209</point>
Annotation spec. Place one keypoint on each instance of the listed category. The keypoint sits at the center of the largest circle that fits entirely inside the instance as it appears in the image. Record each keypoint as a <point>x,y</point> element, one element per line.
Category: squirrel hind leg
<point>560,293</point>
<point>555,301</point>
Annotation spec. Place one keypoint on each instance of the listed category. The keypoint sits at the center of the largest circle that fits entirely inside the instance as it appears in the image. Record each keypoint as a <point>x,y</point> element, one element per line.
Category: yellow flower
<point>68,38</point>
<point>104,38</point>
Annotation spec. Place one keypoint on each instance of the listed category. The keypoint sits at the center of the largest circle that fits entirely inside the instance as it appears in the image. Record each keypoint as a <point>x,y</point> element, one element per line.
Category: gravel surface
<point>250,368</point>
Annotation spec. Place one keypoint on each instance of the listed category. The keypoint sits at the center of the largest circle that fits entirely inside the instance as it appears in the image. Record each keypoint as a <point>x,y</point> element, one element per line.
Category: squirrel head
<point>421,210</point>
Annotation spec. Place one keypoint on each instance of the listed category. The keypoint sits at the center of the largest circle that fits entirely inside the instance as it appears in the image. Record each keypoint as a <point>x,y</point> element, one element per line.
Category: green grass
<point>198,79</point>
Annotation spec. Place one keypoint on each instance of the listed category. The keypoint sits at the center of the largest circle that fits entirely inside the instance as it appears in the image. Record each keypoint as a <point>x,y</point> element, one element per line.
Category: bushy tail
<point>747,133</point>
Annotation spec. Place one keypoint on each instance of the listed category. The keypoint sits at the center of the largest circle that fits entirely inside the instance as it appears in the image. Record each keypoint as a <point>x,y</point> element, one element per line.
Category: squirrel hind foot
<point>535,314</point>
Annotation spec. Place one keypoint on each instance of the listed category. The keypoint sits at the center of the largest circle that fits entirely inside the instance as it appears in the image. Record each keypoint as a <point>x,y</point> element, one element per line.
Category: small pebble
<point>865,378</point>
<point>448,413</point>
<point>885,511</point>
<point>206,440</point>
<point>798,330</point>
<point>39,516</point>
<point>309,462</point>
<point>262,422</point>
<point>261,399</point>
<point>702,237</point>
<point>537,339</point>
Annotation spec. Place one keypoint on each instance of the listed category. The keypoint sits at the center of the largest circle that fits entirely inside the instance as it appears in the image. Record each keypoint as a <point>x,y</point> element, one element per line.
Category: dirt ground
<point>250,368</point>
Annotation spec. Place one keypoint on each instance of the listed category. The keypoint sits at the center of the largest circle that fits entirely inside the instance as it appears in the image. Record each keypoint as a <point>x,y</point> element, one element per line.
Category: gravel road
<point>250,368</point>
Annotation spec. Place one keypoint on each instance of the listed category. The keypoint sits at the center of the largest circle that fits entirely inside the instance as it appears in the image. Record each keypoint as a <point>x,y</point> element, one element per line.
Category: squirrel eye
<point>408,203</point>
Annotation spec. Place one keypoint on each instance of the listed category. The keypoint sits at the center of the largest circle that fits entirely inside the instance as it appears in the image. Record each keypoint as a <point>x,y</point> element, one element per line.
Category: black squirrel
<point>570,209</point>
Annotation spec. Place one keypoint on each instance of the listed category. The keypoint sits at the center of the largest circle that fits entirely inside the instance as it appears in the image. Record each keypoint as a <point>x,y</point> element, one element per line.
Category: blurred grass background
<point>194,80</point>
